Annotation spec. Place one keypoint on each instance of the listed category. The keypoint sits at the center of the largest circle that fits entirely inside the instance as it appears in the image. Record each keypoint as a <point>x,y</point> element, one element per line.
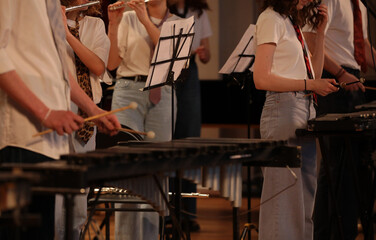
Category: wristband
<point>47,114</point>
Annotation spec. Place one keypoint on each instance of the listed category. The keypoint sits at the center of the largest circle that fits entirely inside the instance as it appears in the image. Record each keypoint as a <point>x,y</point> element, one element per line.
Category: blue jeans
<point>289,214</point>
<point>147,116</point>
<point>44,205</point>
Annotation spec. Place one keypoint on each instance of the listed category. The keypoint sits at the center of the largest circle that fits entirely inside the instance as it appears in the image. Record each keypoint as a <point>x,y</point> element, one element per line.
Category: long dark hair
<point>93,10</point>
<point>195,5</point>
<point>288,8</point>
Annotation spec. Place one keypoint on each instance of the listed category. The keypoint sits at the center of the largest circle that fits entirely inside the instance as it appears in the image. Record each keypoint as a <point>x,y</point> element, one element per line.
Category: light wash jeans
<point>288,216</point>
<point>147,117</point>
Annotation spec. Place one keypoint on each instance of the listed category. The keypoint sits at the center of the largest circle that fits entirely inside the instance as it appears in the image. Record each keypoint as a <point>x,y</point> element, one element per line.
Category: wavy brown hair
<point>93,10</point>
<point>286,8</point>
<point>195,5</point>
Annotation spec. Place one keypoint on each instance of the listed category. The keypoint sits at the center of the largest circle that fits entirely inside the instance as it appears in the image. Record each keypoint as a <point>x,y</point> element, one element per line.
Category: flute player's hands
<point>139,7</point>
<point>115,16</point>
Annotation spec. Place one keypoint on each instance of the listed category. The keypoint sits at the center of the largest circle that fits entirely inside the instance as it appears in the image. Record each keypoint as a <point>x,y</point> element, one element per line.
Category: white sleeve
<point>6,19</point>
<point>269,29</point>
<point>206,30</point>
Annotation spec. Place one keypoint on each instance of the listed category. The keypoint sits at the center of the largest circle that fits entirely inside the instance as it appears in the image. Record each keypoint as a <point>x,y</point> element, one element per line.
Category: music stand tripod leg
<point>235,223</point>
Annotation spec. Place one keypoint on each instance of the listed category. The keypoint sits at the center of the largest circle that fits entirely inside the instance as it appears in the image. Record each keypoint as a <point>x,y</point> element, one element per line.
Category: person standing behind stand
<point>188,91</point>
<point>283,67</point>
<point>35,94</point>
<point>133,36</point>
<point>346,17</point>
<point>88,47</point>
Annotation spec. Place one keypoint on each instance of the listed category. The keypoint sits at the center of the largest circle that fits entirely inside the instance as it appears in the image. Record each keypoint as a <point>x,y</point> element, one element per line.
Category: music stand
<point>171,55</point>
<point>239,67</point>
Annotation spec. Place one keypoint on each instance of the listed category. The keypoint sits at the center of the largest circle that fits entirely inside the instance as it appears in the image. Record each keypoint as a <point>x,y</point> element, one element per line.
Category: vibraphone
<point>215,163</point>
<point>360,124</point>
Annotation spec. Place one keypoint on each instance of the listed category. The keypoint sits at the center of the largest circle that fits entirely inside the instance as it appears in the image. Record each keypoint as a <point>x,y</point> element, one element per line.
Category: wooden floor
<point>215,219</point>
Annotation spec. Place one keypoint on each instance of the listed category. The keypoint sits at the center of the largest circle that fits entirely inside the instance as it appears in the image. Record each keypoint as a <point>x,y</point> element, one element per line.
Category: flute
<point>116,7</point>
<point>78,7</point>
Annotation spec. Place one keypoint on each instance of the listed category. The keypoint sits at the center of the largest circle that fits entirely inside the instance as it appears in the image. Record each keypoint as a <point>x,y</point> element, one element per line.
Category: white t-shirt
<point>135,45</point>
<point>27,46</point>
<point>339,38</point>
<point>288,59</point>
<point>202,26</point>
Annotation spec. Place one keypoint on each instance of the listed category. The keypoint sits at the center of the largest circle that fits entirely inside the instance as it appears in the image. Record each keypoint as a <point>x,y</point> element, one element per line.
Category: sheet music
<point>246,46</point>
<point>164,51</point>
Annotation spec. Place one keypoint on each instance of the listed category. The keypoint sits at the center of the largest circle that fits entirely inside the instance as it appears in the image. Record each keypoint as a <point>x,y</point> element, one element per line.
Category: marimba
<point>215,163</point>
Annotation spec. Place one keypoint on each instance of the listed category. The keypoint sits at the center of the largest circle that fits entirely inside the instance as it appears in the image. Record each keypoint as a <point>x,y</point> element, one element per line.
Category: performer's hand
<point>323,12</point>
<point>63,121</point>
<point>115,16</point>
<point>108,124</point>
<point>323,86</point>
<point>139,7</point>
<point>202,53</point>
<point>348,78</point>
<point>64,16</point>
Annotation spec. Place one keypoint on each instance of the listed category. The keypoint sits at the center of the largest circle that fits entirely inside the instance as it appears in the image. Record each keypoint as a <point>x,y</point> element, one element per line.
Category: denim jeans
<point>147,116</point>
<point>288,215</point>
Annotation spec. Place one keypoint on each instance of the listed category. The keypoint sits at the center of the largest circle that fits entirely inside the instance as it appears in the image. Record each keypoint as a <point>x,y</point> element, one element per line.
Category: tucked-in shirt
<point>339,38</point>
<point>135,45</point>
<point>202,26</point>
<point>27,46</point>
<point>288,59</point>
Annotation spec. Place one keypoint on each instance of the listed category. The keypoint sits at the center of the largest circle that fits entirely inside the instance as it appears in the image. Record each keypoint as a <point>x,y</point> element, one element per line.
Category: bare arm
<point>60,121</point>
<point>140,8</point>
<point>114,17</point>
<point>369,50</point>
<point>108,124</point>
<point>203,51</point>
<point>315,42</point>
<point>266,80</point>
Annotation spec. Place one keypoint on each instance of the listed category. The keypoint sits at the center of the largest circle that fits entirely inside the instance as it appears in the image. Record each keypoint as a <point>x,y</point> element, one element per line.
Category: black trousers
<point>43,205</point>
<point>342,166</point>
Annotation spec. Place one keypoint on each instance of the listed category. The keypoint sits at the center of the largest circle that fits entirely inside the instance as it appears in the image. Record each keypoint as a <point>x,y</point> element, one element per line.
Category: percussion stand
<point>179,43</point>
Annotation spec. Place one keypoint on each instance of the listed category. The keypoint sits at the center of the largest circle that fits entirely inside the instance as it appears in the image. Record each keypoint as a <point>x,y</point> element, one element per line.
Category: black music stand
<point>238,67</point>
<point>171,55</point>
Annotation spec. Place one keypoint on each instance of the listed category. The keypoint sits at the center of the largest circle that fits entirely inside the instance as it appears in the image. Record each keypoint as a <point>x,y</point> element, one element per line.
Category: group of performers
<point>52,63</point>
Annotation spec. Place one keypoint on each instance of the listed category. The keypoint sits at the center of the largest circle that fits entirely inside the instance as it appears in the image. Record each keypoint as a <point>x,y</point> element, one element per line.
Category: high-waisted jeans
<point>288,215</point>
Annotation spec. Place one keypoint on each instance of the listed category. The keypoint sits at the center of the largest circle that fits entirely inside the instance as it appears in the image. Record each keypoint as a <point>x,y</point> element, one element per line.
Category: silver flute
<point>78,7</point>
<point>113,8</point>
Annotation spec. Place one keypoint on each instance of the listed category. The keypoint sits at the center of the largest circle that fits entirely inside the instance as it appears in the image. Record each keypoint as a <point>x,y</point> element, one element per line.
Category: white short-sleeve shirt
<point>339,38</point>
<point>288,59</point>
<point>135,45</point>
